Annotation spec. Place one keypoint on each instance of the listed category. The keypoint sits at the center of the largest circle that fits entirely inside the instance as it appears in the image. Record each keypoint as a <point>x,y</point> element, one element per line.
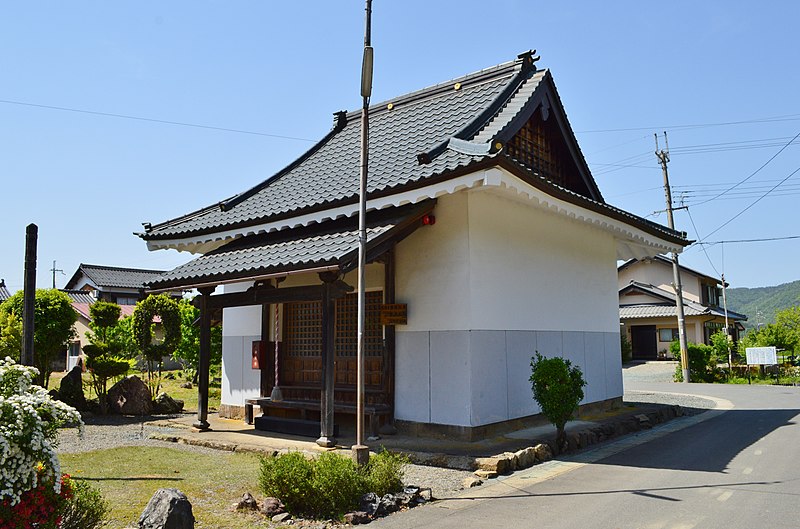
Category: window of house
<point>667,335</point>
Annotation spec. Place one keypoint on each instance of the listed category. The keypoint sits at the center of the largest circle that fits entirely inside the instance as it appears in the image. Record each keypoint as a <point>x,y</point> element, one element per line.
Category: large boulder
<point>164,404</point>
<point>130,396</point>
<point>167,509</point>
<point>70,391</point>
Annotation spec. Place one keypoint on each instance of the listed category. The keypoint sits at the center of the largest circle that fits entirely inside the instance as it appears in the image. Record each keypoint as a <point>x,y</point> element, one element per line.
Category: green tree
<point>558,389</point>
<point>789,321</point>
<point>188,350</point>
<point>103,355</point>
<point>168,310</point>
<point>721,346</point>
<point>53,322</point>
<point>10,336</point>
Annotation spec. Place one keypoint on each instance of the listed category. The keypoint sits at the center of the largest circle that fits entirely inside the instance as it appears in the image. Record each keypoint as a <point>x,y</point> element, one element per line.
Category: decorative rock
<point>70,391</point>
<point>425,495</point>
<point>282,517</point>
<point>486,474</point>
<point>130,396</point>
<point>526,457</point>
<point>543,452</point>
<point>499,464</point>
<point>471,481</point>
<point>247,503</point>
<point>272,506</point>
<point>167,509</point>
<point>370,504</point>
<point>167,405</point>
<point>357,518</point>
<point>186,385</point>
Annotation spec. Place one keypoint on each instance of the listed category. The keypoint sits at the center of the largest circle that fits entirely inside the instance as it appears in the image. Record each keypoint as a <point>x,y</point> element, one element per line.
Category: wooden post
<point>29,295</point>
<point>389,333</point>
<point>204,365</point>
<point>326,437</point>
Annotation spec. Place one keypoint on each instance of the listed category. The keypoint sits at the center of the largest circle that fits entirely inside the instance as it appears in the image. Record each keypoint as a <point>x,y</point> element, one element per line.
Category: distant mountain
<point>760,304</point>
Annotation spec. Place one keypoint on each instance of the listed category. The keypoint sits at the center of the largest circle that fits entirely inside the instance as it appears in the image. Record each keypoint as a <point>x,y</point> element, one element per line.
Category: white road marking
<point>725,495</point>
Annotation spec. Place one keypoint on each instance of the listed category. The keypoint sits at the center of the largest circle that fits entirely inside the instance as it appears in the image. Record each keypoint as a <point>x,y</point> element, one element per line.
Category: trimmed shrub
<point>702,362</point>
<point>331,485</point>
<point>558,389</point>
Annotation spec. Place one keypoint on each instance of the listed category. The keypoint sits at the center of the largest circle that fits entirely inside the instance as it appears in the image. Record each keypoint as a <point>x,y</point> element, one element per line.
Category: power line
<point>753,203</point>
<point>774,119</point>
<point>697,232</point>
<point>763,239</point>
<point>755,173</point>
<point>152,120</point>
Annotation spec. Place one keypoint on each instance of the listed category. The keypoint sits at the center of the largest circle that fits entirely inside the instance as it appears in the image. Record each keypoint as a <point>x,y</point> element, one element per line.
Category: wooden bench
<point>373,411</point>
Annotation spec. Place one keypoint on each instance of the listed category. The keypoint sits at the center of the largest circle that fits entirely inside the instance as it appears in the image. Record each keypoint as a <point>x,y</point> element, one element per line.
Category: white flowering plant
<point>29,422</point>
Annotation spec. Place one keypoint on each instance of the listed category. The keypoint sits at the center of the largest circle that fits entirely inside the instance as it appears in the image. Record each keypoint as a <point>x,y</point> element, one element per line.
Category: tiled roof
<point>327,244</point>
<point>667,309</point>
<point>329,172</point>
<point>82,308</point>
<point>114,277</point>
<point>80,296</point>
<point>4,293</point>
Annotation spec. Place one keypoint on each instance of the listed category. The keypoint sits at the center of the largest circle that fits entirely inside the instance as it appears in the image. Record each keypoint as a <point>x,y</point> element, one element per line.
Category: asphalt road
<point>736,466</point>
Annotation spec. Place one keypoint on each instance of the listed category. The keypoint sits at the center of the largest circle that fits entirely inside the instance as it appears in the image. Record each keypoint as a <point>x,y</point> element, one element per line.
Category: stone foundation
<point>477,433</point>
<point>231,411</point>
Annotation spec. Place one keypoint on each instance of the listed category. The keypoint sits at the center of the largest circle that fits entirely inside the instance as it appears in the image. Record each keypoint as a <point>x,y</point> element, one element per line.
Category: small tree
<point>10,336</point>
<point>558,389</point>
<point>52,321</point>
<point>188,350</point>
<point>167,309</point>
<point>102,355</point>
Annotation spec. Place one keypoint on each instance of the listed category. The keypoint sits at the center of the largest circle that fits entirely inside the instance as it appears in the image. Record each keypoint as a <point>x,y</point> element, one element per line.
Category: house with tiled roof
<point>4,293</point>
<point>488,240</point>
<point>648,311</point>
<point>124,286</point>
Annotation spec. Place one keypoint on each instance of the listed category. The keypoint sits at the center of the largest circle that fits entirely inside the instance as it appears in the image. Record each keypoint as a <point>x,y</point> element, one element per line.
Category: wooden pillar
<point>326,437</point>
<point>389,334</point>
<point>204,365</point>
<point>29,297</point>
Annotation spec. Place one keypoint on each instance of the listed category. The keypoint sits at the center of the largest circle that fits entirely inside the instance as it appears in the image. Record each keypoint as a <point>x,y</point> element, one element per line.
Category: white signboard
<point>761,356</point>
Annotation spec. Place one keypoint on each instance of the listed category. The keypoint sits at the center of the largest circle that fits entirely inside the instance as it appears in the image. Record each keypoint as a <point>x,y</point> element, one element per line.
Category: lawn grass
<point>128,477</point>
<point>169,386</point>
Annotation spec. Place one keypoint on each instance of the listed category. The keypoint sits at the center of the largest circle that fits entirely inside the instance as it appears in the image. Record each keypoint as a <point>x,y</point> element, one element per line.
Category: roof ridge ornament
<point>529,59</point>
<point>339,120</point>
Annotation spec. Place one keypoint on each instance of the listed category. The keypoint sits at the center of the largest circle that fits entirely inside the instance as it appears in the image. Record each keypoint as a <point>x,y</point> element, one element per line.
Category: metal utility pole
<point>29,294</point>
<point>663,158</point>
<point>54,270</point>
<point>360,450</point>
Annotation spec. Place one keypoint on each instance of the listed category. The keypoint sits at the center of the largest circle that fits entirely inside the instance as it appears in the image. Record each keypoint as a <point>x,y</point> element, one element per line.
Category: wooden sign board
<point>394,314</point>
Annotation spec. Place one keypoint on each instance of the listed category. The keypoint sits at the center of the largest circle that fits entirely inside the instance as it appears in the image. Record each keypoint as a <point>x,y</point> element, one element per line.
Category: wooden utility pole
<point>663,158</point>
<point>29,294</point>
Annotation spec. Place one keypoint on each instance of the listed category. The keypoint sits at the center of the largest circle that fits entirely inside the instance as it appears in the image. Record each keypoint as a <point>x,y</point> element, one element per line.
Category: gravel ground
<point>662,371</point>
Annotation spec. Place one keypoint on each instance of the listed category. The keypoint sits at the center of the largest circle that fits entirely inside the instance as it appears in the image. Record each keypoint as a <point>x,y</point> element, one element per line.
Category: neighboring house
<point>648,312</point>
<point>123,286</point>
<point>487,240</point>
<point>4,293</point>
<point>81,301</point>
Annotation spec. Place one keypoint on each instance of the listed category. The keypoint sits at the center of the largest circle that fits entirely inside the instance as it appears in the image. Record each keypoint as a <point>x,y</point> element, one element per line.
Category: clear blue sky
<point>624,70</point>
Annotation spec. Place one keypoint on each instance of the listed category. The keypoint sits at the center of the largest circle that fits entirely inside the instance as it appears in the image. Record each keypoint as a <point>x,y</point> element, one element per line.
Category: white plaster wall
<point>636,299</point>
<point>531,269</point>
<point>493,281</point>
<point>432,270</point>
<point>241,326</point>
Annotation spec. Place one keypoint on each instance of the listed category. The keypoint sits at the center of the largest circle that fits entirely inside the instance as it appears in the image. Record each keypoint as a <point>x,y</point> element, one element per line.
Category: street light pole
<point>360,450</point>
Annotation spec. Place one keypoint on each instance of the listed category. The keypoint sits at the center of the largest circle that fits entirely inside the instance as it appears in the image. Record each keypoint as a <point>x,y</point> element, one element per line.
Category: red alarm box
<point>259,355</point>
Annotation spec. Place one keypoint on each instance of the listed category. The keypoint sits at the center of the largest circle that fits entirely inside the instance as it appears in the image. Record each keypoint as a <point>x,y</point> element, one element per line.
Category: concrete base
<point>360,454</point>
<point>326,442</point>
<point>201,426</point>
<point>486,431</point>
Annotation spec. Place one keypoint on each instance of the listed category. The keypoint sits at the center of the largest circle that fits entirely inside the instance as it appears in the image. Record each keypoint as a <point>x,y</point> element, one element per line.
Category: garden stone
<point>247,503</point>
<point>272,506</point>
<point>471,481</point>
<point>70,391</point>
<point>370,503</point>
<point>282,517</point>
<point>389,503</point>
<point>167,509</point>
<point>543,452</point>
<point>186,385</point>
<point>130,396</point>
<point>357,518</point>
<point>165,404</point>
